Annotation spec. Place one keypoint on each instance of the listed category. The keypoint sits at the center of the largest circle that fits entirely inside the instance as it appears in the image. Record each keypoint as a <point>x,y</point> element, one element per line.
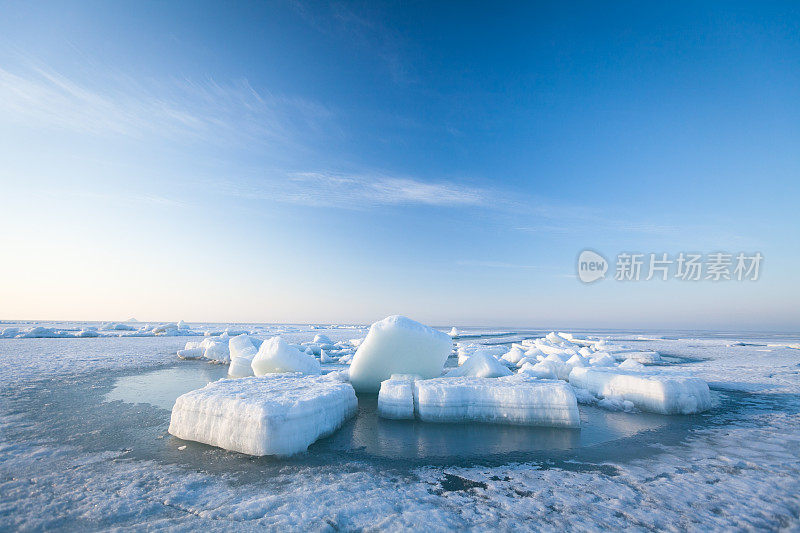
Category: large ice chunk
<point>191,353</point>
<point>514,355</point>
<point>398,345</point>
<point>658,393</point>
<point>243,350</point>
<point>276,414</point>
<point>276,355</point>
<point>214,349</point>
<point>602,359</point>
<point>516,400</point>
<point>480,365</point>
<point>396,397</point>
<point>242,346</point>
<point>632,364</point>
<point>217,352</point>
<point>542,369</point>
<point>240,367</point>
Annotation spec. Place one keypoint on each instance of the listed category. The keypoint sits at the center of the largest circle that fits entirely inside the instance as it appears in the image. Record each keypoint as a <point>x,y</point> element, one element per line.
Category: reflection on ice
<point>413,439</point>
<point>599,425</point>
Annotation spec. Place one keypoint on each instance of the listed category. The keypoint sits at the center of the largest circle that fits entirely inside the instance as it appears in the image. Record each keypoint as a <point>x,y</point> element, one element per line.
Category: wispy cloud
<point>391,190</point>
<point>180,108</point>
<point>126,198</point>
<point>276,128</point>
<point>357,191</point>
<point>495,264</point>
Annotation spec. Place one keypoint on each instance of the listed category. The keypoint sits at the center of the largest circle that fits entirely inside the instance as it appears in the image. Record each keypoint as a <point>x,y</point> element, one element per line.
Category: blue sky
<point>299,162</point>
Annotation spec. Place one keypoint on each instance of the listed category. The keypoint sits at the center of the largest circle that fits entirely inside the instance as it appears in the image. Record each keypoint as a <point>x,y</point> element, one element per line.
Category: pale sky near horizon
<point>299,162</point>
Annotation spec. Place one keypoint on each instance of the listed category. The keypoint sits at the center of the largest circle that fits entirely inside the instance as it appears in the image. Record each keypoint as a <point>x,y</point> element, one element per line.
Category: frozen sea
<point>84,446</point>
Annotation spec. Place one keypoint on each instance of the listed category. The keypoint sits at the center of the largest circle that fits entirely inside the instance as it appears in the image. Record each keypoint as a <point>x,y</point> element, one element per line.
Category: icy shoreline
<point>47,469</point>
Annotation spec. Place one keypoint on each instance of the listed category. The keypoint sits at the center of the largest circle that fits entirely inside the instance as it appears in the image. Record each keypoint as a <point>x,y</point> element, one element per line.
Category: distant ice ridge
<point>41,332</point>
<point>132,329</point>
<point>275,414</point>
<point>117,326</point>
<point>9,333</point>
<point>398,345</point>
<point>516,400</point>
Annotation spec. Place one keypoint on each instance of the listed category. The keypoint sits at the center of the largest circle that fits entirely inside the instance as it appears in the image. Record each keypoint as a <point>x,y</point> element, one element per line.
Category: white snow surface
<point>398,345</point>
<point>275,414</point>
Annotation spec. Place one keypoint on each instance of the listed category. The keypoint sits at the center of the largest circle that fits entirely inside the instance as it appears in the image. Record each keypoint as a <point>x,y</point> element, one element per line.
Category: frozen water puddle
<point>162,387</point>
<point>368,436</point>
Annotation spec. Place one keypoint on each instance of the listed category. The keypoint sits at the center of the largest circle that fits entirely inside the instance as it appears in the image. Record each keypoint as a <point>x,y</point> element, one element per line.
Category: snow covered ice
<point>657,393</point>
<point>508,400</point>
<point>398,345</point>
<point>268,415</point>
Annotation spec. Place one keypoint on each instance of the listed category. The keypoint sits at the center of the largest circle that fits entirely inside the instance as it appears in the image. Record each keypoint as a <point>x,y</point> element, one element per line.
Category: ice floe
<point>277,414</point>
<point>515,400</point>
<point>657,393</point>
